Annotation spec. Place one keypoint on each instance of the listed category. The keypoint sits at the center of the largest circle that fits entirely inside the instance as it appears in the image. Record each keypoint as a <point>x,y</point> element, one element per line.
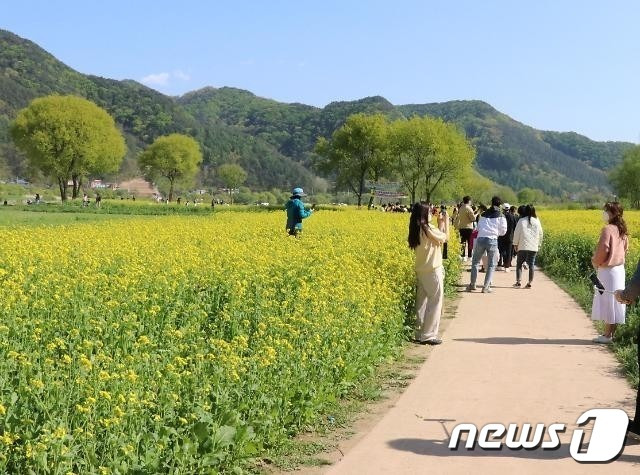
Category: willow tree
<point>68,138</point>
<point>175,157</point>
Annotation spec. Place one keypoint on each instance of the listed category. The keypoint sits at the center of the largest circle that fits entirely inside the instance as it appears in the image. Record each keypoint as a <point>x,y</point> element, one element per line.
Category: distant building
<point>139,187</point>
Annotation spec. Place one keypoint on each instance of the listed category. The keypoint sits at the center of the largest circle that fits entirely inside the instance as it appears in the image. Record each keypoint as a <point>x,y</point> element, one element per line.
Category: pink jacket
<point>611,248</point>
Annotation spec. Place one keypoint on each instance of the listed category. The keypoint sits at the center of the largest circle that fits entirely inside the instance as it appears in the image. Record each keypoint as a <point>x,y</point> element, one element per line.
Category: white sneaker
<point>464,259</point>
<point>602,339</point>
<point>506,269</point>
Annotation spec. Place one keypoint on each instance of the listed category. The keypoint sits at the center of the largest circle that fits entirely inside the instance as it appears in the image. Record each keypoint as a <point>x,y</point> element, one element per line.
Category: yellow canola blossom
<point>181,326</point>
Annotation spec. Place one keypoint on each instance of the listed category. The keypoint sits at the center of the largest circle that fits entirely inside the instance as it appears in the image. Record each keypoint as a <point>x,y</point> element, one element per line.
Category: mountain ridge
<point>274,140</point>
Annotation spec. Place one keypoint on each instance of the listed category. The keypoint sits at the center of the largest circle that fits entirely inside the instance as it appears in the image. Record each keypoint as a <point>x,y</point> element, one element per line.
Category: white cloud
<point>159,79</point>
<point>179,74</point>
<point>163,79</point>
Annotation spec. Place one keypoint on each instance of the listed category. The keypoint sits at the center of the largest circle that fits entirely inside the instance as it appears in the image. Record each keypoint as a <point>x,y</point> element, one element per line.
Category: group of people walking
<point>486,234</point>
<point>493,233</point>
<point>490,236</point>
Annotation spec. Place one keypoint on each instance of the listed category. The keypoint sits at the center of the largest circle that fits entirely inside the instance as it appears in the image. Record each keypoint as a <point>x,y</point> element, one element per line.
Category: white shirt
<point>492,224</point>
<point>528,236</point>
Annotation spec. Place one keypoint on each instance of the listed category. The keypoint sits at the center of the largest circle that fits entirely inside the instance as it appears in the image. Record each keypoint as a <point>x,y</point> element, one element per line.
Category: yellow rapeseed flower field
<point>189,343</point>
<point>587,224</point>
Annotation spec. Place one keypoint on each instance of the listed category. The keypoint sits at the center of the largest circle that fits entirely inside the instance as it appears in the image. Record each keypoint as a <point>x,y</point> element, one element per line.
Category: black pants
<point>504,248</point>
<point>465,237</point>
<point>634,425</point>
<point>636,418</point>
<point>530,258</point>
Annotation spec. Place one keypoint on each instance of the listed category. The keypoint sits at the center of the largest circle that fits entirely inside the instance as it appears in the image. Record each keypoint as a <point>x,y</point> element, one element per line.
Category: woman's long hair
<point>530,212</point>
<point>615,217</point>
<point>418,222</point>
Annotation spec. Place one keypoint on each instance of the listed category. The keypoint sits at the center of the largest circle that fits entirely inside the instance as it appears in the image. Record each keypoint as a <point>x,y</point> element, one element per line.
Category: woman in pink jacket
<point>608,260</point>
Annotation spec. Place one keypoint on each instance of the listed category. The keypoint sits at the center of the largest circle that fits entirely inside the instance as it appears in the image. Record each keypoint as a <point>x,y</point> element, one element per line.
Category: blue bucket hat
<point>298,191</point>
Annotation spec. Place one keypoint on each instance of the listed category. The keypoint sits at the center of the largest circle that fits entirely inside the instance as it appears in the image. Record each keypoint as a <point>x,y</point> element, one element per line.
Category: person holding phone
<point>443,225</point>
<point>426,240</point>
<point>296,212</point>
<point>608,260</point>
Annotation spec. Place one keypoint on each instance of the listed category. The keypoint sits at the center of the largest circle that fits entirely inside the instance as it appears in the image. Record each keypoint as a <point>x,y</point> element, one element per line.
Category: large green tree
<point>429,154</point>
<point>356,152</point>
<point>175,157</point>
<point>67,137</point>
<point>232,176</point>
<point>625,178</point>
<point>452,157</point>
<point>410,148</point>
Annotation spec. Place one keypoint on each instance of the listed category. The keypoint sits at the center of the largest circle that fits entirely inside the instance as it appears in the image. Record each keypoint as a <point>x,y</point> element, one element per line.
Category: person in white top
<point>491,225</point>
<point>527,239</point>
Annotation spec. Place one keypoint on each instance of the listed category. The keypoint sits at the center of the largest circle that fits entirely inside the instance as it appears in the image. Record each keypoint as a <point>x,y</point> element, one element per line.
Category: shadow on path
<point>440,448</point>
<point>508,340</point>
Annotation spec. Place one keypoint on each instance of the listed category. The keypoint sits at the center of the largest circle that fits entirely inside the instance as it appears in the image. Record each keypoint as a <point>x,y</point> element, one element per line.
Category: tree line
<point>69,138</point>
<point>425,154</point>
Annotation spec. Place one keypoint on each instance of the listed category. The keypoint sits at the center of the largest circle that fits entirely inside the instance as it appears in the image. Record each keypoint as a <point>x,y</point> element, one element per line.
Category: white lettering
<point>607,436</point>
<point>457,431</point>
<point>605,444</point>
<point>523,441</point>
<point>484,441</point>
<point>554,443</point>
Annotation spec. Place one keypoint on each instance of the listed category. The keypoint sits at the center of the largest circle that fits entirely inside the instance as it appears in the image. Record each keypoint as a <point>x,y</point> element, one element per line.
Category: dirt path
<point>513,356</point>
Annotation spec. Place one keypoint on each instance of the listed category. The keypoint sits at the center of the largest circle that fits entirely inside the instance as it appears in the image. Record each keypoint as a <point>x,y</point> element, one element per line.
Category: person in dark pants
<point>505,243</point>
<point>464,223</point>
<point>443,225</point>
<point>628,296</point>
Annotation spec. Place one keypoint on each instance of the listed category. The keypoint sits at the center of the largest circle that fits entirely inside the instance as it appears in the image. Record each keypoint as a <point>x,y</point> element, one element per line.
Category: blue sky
<point>555,65</point>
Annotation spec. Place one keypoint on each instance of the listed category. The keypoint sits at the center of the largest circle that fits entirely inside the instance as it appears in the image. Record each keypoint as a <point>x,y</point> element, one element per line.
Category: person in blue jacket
<point>296,212</point>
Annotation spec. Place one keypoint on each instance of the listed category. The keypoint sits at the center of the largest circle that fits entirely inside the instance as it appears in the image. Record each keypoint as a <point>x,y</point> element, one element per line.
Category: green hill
<point>508,152</point>
<point>273,141</point>
<point>27,71</point>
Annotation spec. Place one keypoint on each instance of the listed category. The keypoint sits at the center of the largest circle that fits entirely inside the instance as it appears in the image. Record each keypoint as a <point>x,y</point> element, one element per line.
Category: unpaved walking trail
<point>513,356</point>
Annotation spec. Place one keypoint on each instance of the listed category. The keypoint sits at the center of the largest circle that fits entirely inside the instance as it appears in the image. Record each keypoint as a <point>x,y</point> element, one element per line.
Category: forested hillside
<point>274,141</point>
<point>27,71</point>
